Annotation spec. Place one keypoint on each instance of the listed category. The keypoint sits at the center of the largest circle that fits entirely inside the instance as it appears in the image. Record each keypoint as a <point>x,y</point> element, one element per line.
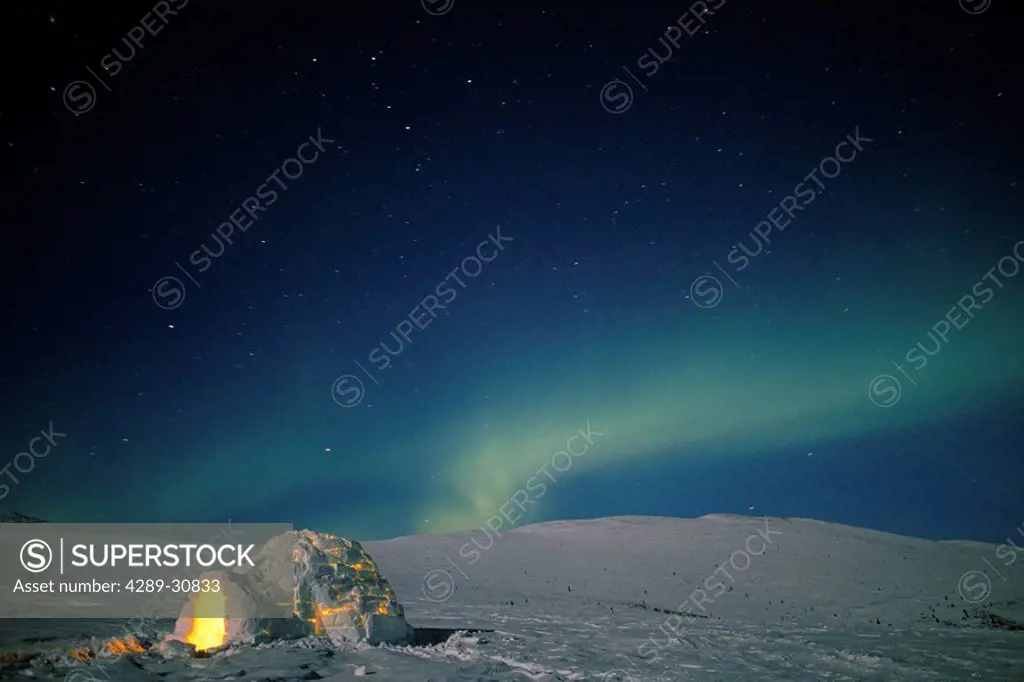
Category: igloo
<point>319,583</point>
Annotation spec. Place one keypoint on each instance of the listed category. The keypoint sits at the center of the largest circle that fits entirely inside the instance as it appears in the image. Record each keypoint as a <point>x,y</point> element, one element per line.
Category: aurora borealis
<point>352,361</point>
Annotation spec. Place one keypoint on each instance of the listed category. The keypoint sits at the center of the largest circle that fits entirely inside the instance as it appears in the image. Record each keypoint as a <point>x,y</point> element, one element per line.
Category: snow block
<point>392,629</point>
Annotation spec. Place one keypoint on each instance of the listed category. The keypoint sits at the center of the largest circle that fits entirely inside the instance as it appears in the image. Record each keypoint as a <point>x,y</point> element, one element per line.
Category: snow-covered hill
<point>15,517</point>
<point>641,598</point>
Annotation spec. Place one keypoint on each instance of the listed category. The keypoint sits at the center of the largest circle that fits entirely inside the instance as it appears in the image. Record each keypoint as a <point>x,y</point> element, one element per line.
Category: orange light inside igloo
<point>208,632</point>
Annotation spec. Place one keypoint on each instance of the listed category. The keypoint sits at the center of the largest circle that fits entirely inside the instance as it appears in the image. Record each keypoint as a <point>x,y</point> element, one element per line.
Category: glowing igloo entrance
<point>330,586</point>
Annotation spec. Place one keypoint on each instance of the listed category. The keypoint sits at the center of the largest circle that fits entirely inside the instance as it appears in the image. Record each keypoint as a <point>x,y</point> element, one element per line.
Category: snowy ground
<point>614,599</point>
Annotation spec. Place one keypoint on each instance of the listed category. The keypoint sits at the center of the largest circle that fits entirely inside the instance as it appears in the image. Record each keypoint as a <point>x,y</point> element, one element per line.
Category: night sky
<point>715,237</point>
